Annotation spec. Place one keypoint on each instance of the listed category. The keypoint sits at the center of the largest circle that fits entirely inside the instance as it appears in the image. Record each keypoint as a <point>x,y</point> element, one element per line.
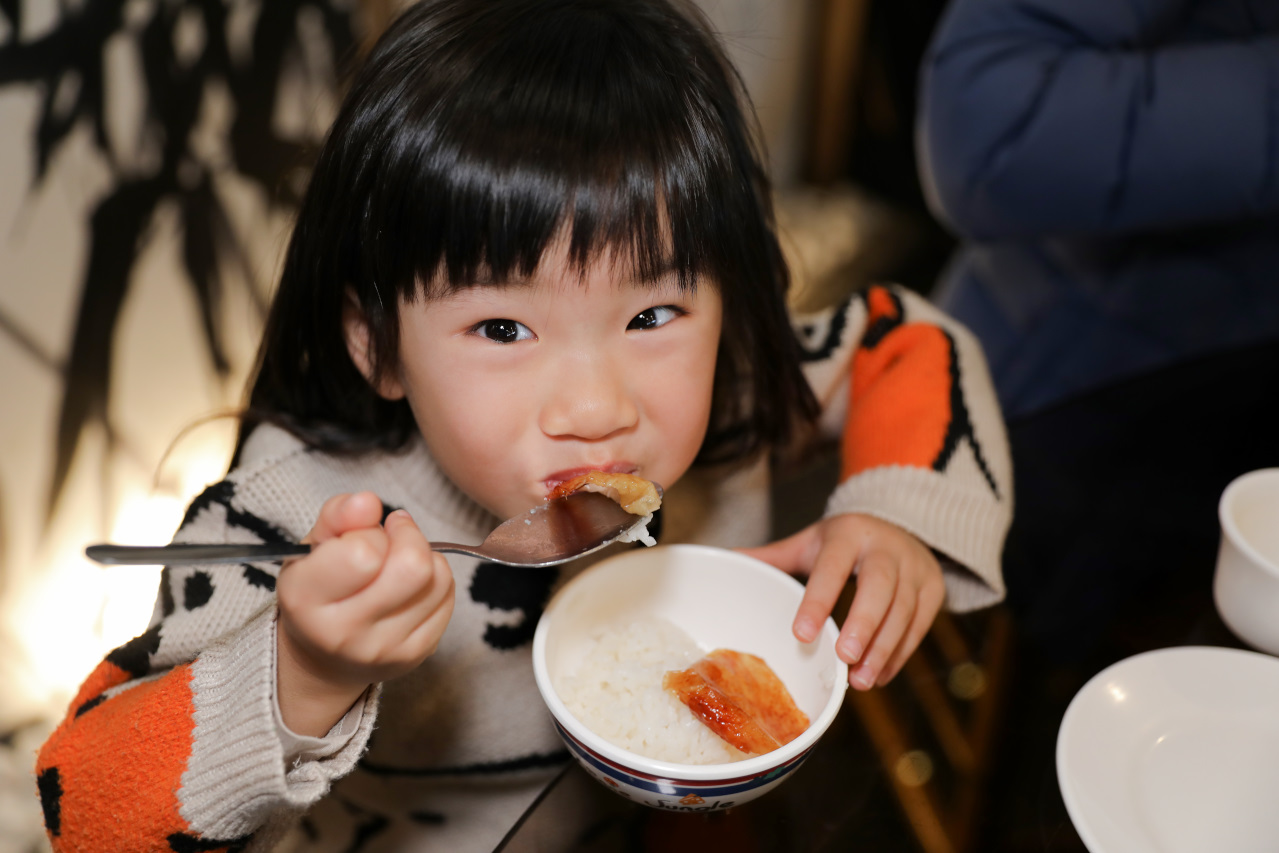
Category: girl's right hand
<point>370,602</point>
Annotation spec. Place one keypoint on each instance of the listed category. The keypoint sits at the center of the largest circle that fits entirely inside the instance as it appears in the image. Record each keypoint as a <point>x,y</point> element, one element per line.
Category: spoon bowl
<point>555,532</point>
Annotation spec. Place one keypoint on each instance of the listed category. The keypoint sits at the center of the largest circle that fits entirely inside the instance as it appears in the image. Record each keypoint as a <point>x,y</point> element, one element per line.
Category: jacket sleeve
<point>1061,116</point>
<point>922,443</point>
<point>172,742</point>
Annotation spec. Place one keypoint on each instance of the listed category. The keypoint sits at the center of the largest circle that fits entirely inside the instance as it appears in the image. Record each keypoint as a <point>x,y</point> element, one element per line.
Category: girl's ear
<point>355,327</point>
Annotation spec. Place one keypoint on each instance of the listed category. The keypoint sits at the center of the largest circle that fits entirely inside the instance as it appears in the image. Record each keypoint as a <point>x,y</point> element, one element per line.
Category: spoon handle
<point>190,555</point>
<point>185,555</point>
<point>468,550</point>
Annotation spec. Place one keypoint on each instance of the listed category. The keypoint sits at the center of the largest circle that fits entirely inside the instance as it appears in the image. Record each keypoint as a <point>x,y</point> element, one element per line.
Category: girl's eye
<point>655,317</point>
<point>503,331</point>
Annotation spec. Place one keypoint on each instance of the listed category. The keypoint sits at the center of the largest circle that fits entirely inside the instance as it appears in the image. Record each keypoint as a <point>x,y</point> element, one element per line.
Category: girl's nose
<point>587,399</point>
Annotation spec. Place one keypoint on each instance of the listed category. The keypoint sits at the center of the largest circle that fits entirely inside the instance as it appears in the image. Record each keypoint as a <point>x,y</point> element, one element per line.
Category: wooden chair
<point>839,51</point>
<point>934,726</point>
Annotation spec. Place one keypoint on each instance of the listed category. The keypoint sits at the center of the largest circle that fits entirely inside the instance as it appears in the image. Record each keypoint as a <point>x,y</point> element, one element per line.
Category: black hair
<point>475,133</point>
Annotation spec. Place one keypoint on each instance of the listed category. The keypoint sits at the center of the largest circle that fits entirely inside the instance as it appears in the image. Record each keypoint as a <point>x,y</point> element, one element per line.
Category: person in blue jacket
<point>1111,170</point>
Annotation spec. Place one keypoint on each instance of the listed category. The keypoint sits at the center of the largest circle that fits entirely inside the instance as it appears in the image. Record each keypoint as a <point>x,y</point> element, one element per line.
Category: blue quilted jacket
<point>1112,169</point>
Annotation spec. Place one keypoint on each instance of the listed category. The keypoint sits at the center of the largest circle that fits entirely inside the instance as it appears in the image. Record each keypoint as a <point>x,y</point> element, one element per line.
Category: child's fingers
<point>930,601</point>
<point>896,621</point>
<point>406,610</point>
<point>348,548</point>
<point>876,587</point>
<point>335,570</point>
<point>422,626</point>
<point>430,598</point>
<point>830,571</point>
<point>426,589</point>
<point>343,513</point>
<point>426,637</point>
<point>408,571</point>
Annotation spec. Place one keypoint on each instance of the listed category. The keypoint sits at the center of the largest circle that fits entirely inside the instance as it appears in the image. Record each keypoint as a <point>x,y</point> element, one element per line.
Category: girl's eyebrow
<point>663,268</point>
<point>664,272</point>
<point>662,275</point>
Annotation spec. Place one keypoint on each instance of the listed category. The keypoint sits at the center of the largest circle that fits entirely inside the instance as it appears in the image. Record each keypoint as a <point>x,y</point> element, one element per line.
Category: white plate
<point>1175,751</point>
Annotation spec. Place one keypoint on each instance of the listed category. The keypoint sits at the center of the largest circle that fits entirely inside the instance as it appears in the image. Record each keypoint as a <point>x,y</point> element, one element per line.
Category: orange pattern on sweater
<point>900,403</point>
<point>117,765</point>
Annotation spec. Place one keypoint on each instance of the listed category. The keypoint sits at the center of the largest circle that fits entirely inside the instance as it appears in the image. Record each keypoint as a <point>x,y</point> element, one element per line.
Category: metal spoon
<point>553,533</point>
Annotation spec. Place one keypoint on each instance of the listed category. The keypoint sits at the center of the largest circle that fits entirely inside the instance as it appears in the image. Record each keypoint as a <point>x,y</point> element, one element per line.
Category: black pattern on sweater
<point>508,588</point>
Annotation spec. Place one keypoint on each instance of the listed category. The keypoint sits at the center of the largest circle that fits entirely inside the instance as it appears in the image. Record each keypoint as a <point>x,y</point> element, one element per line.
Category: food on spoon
<point>739,697</point>
<point>635,494</point>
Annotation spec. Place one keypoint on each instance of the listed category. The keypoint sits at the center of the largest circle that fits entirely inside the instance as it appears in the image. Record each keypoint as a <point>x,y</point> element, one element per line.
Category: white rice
<point>617,693</point>
<point>638,532</point>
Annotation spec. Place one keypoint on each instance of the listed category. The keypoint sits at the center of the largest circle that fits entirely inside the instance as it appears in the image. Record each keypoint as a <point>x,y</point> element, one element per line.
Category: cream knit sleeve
<point>237,779</point>
<point>922,442</point>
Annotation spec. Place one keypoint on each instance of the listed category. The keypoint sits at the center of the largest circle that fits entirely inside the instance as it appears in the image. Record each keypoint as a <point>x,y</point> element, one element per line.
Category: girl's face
<point>519,387</point>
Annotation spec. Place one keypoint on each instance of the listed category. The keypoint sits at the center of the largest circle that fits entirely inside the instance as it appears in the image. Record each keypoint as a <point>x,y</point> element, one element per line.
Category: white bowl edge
<point>1230,528</point>
<point>691,772</point>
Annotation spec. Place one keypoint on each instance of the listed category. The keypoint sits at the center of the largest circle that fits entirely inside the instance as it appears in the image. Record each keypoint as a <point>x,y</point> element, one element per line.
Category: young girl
<point>537,241</point>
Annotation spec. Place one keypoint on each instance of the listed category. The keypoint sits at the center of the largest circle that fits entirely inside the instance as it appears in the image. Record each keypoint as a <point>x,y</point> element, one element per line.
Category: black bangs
<point>559,122</point>
<point>478,135</point>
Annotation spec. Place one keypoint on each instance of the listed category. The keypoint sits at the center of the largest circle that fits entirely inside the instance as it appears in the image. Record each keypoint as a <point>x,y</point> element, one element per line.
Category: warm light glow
<point>201,459</point>
<point>1117,692</point>
<point>967,681</point>
<point>56,621</point>
<point>73,611</point>
<point>130,590</point>
<point>914,768</point>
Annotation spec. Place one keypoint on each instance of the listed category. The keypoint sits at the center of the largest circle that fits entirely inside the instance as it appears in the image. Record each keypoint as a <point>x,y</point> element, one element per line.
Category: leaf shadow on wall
<point>67,65</point>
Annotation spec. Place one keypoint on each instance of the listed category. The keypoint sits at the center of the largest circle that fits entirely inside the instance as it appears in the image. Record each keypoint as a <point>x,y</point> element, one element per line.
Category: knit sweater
<point>174,742</point>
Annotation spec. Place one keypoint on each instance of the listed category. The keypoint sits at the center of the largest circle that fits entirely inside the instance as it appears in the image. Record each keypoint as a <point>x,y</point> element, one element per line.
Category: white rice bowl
<point>607,637</point>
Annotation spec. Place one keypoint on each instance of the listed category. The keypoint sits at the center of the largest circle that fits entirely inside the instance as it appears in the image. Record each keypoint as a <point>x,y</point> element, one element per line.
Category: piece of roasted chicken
<point>635,494</point>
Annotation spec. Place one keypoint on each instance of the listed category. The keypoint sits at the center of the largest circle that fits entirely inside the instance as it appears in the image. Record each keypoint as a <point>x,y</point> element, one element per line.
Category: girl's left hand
<point>900,589</point>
